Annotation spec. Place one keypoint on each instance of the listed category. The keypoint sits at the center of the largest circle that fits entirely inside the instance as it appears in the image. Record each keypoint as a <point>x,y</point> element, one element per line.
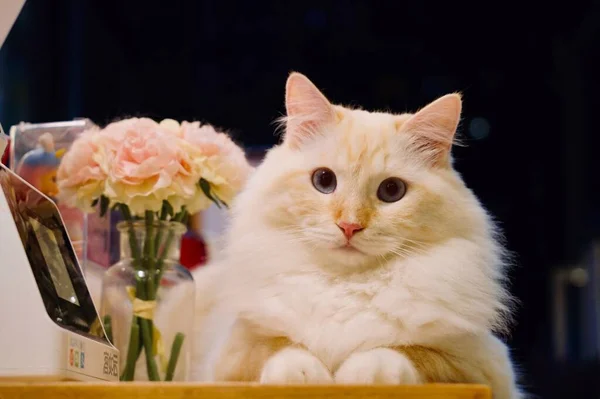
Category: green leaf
<point>168,208</point>
<point>185,219</point>
<point>205,186</point>
<point>180,215</point>
<point>104,202</point>
<point>221,201</point>
<point>125,212</point>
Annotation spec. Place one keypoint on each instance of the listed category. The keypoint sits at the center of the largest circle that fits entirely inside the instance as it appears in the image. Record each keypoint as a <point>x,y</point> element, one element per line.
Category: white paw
<point>378,366</point>
<point>295,366</point>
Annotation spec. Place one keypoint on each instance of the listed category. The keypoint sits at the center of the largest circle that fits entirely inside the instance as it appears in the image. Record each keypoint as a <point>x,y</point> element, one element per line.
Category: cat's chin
<point>348,249</point>
<point>347,258</point>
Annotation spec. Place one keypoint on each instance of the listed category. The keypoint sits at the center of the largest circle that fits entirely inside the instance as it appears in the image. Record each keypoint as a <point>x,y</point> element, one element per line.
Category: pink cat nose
<point>349,229</point>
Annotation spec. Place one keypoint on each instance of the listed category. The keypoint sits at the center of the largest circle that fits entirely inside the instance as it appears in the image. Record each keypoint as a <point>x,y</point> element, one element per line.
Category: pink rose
<point>223,163</point>
<point>149,166</point>
<point>83,171</point>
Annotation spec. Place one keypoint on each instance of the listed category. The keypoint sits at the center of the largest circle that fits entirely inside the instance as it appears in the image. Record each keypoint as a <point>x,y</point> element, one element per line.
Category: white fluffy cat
<point>356,254</point>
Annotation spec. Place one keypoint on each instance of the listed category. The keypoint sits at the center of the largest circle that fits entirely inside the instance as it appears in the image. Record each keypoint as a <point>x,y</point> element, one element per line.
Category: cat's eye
<point>391,189</point>
<point>324,180</point>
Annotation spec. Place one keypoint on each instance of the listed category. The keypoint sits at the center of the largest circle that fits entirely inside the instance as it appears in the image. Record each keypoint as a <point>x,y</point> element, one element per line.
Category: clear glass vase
<point>148,303</point>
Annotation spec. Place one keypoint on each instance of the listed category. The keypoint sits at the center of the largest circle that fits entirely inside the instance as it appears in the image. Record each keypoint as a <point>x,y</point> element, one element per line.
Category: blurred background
<point>528,75</point>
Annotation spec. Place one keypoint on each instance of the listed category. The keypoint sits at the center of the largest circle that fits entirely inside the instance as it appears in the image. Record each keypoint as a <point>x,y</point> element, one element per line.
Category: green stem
<point>133,245</point>
<point>149,240</point>
<point>132,351</point>
<point>175,350</point>
<point>147,290</point>
<point>166,248</point>
<point>138,352</point>
<point>108,327</point>
<point>163,217</point>
<point>146,326</point>
<point>144,291</point>
<point>149,255</point>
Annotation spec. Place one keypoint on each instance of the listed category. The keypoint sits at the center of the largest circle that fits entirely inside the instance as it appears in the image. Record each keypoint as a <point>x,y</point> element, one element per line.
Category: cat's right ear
<point>434,127</point>
<point>308,111</point>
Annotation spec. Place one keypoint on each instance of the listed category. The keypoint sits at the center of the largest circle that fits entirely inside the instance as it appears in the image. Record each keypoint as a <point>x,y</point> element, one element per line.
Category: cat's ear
<point>433,128</point>
<point>308,111</point>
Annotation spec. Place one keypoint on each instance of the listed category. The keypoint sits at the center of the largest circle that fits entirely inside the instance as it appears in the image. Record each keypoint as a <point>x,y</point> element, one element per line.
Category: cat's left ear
<point>308,110</point>
<point>434,127</point>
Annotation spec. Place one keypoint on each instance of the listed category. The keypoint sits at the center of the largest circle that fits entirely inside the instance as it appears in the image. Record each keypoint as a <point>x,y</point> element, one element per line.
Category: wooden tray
<point>68,390</point>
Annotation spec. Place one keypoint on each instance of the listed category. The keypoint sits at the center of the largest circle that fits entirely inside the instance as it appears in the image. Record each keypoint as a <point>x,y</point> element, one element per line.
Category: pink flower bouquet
<point>155,173</point>
<point>149,167</point>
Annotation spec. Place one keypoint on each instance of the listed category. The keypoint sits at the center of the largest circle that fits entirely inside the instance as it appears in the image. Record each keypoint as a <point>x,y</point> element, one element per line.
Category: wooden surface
<point>189,391</point>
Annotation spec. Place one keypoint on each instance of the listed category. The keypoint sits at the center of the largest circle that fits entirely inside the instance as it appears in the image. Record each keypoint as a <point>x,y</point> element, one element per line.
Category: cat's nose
<point>349,229</point>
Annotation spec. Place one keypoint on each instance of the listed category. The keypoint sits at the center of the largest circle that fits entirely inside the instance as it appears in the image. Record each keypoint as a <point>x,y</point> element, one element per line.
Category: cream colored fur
<point>417,300</point>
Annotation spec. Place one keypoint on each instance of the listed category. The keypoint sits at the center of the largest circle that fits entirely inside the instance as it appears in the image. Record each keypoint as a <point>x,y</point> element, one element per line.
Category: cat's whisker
<point>419,251</point>
<point>380,259</point>
<point>398,251</point>
<point>408,251</point>
<point>420,244</point>
<point>401,254</point>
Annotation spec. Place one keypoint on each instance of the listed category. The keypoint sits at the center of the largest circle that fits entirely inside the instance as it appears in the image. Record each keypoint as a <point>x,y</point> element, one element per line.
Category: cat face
<point>357,187</point>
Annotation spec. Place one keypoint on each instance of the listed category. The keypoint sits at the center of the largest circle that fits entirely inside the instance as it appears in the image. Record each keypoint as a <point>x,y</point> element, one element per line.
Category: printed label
<point>111,364</point>
<point>90,358</point>
<point>76,353</point>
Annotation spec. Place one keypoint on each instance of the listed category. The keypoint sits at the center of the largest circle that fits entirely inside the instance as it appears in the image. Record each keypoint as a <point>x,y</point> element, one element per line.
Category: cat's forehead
<point>363,139</point>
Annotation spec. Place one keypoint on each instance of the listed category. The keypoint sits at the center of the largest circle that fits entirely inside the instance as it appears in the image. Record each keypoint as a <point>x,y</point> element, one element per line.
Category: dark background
<point>528,74</point>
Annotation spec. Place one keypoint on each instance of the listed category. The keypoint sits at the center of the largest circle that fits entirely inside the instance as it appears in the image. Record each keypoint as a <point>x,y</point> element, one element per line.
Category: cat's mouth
<point>349,248</point>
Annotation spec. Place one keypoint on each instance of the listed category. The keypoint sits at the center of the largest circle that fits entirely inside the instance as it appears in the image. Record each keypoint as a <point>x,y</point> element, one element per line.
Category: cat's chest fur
<point>332,317</point>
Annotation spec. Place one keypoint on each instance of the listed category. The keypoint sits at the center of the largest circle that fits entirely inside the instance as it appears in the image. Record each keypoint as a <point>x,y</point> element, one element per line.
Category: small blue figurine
<point>39,165</point>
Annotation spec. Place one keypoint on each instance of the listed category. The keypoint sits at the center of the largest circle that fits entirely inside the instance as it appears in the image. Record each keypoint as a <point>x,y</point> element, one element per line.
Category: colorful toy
<point>39,165</point>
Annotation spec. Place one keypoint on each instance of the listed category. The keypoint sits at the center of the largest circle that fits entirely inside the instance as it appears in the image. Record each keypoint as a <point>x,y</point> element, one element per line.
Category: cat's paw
<point>378,366</point>
<point>295,366</point>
